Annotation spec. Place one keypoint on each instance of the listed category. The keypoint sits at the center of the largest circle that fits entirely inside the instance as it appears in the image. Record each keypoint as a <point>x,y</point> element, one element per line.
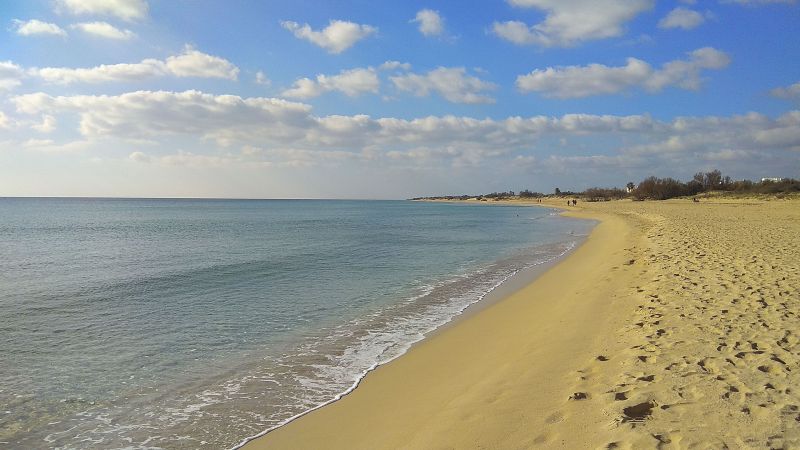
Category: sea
<point>184,323</point>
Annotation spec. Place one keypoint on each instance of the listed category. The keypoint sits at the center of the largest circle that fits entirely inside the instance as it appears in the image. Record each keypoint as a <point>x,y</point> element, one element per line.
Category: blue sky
<point>391,99</point>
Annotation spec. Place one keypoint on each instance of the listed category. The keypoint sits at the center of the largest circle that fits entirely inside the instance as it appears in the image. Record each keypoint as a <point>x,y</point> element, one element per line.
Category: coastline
<point>506,287</point>
<point>322,426</point>
<point>674,323</point>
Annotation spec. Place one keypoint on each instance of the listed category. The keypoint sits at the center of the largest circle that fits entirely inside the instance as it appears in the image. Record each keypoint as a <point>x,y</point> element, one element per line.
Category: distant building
<point>772,180</point>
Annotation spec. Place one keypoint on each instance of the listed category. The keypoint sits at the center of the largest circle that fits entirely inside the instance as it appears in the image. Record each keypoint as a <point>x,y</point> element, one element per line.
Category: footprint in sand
<point>638,413</point>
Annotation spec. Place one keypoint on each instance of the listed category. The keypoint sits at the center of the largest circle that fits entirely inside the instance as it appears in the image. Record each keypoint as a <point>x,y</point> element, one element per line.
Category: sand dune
<point>674,326</point>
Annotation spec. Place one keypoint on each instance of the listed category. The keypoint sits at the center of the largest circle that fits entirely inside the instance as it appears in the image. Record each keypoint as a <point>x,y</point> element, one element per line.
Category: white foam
<point>377,349</point>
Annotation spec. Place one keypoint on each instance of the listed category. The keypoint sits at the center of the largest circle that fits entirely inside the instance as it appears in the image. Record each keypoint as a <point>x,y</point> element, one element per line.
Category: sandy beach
<point>673,326</point>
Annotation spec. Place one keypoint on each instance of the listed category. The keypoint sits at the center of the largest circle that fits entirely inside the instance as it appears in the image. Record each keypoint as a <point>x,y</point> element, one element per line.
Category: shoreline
<point>675,323</point>
<point>473,311</point>
<point>509,285</point>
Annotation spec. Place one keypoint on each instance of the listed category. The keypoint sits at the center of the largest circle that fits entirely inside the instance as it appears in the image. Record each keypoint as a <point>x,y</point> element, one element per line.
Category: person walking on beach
<point>574,202</point>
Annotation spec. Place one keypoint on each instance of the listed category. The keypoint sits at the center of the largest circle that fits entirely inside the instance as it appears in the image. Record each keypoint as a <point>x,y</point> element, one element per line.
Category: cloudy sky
<point>388,99</point>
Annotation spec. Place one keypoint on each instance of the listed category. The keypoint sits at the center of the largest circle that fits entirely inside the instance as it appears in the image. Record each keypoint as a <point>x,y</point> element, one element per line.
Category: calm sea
<point>197,323</point>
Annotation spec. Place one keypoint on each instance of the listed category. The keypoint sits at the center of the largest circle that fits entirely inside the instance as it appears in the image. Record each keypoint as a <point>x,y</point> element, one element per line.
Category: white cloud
<point>193,63</point>
<point>104,29</point>
<point>5,122</point>
<point>51,146</point>
<point>140,157</point>
<point>280,132</point>
<point>394,65</point>
<point>682,18</point>
<point>791,92</point>
<point>568,23</point>
<point>352,83</point>
<point>452,83</point>
<point>430,22</point>
<point>148,68</point>
<point>337,37</point>
<point>599,79</point>
<point>10,75</point>
<point>124,9</point>
<point>34,27</point>
<point>143,114</point>
<point>261,78</point>
<point>48,124</point>
<point>190,63</point>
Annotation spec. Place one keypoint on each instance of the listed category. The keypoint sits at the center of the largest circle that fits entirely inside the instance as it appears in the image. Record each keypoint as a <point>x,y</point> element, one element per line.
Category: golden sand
<point>676,325</point>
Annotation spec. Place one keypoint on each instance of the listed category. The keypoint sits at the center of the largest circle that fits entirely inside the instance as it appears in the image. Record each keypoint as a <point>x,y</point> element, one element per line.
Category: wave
<point>401,347</point>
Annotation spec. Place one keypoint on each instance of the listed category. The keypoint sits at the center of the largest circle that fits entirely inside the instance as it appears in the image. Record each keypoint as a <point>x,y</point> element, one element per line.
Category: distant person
<point>574,202</point>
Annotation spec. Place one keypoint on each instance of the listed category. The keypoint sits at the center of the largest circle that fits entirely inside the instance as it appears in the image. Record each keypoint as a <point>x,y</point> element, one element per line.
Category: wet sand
<point>675,324</point>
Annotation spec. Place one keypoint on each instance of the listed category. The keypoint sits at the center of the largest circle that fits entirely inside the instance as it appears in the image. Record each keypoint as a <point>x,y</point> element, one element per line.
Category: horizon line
<point>87,197</point>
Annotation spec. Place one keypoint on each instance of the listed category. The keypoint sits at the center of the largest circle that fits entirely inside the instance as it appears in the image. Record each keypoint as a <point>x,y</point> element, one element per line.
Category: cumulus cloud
<point>261,78</point>
<point>190,63</point>
<point>148,68</point>
<point>352,83</point>
<point>283,132</point>
<point>568,23</point>
<point>144,114</point>
<point>104,29</point>
<point>48,124</point>
<point>139,157</point>
<point>5,122</point>
<point>599,79</point>
<point>194,63</point>
<point>37,27</point>
<point>430,22</point>
<point>337,37</point>
<point>791,92</point>
<point>682,18</point>
<point>452,83</point>
<point>10,75</point>
<point>124,9</point>
<point>394,65</point>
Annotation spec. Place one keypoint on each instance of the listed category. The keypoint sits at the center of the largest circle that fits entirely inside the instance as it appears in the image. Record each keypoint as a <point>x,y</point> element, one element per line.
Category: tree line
<point>653,188</point>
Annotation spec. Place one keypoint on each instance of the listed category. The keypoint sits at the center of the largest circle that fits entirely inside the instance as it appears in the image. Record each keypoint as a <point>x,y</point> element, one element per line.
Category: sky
<point>388,99</point>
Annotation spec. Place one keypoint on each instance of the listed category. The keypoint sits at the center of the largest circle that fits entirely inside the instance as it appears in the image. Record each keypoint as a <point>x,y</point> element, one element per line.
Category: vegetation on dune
<point>654,188</point>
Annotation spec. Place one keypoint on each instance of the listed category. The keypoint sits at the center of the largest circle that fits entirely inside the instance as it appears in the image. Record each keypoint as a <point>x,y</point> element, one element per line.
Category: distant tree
<point>694,187</point>
<point>660,188</point>
<point>597,194</point>
<point>713,180</point>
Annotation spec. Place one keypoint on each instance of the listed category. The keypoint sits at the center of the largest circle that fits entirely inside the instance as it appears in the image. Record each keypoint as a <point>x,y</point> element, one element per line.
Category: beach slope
<point>501,378</point>
<point>675,325</point>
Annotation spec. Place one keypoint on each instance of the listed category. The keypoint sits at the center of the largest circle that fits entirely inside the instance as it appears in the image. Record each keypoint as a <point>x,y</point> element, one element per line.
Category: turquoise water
<point>198,323</point>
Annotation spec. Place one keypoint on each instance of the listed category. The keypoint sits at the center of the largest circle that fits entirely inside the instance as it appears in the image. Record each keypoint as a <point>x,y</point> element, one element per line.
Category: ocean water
<point>130,323</point>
